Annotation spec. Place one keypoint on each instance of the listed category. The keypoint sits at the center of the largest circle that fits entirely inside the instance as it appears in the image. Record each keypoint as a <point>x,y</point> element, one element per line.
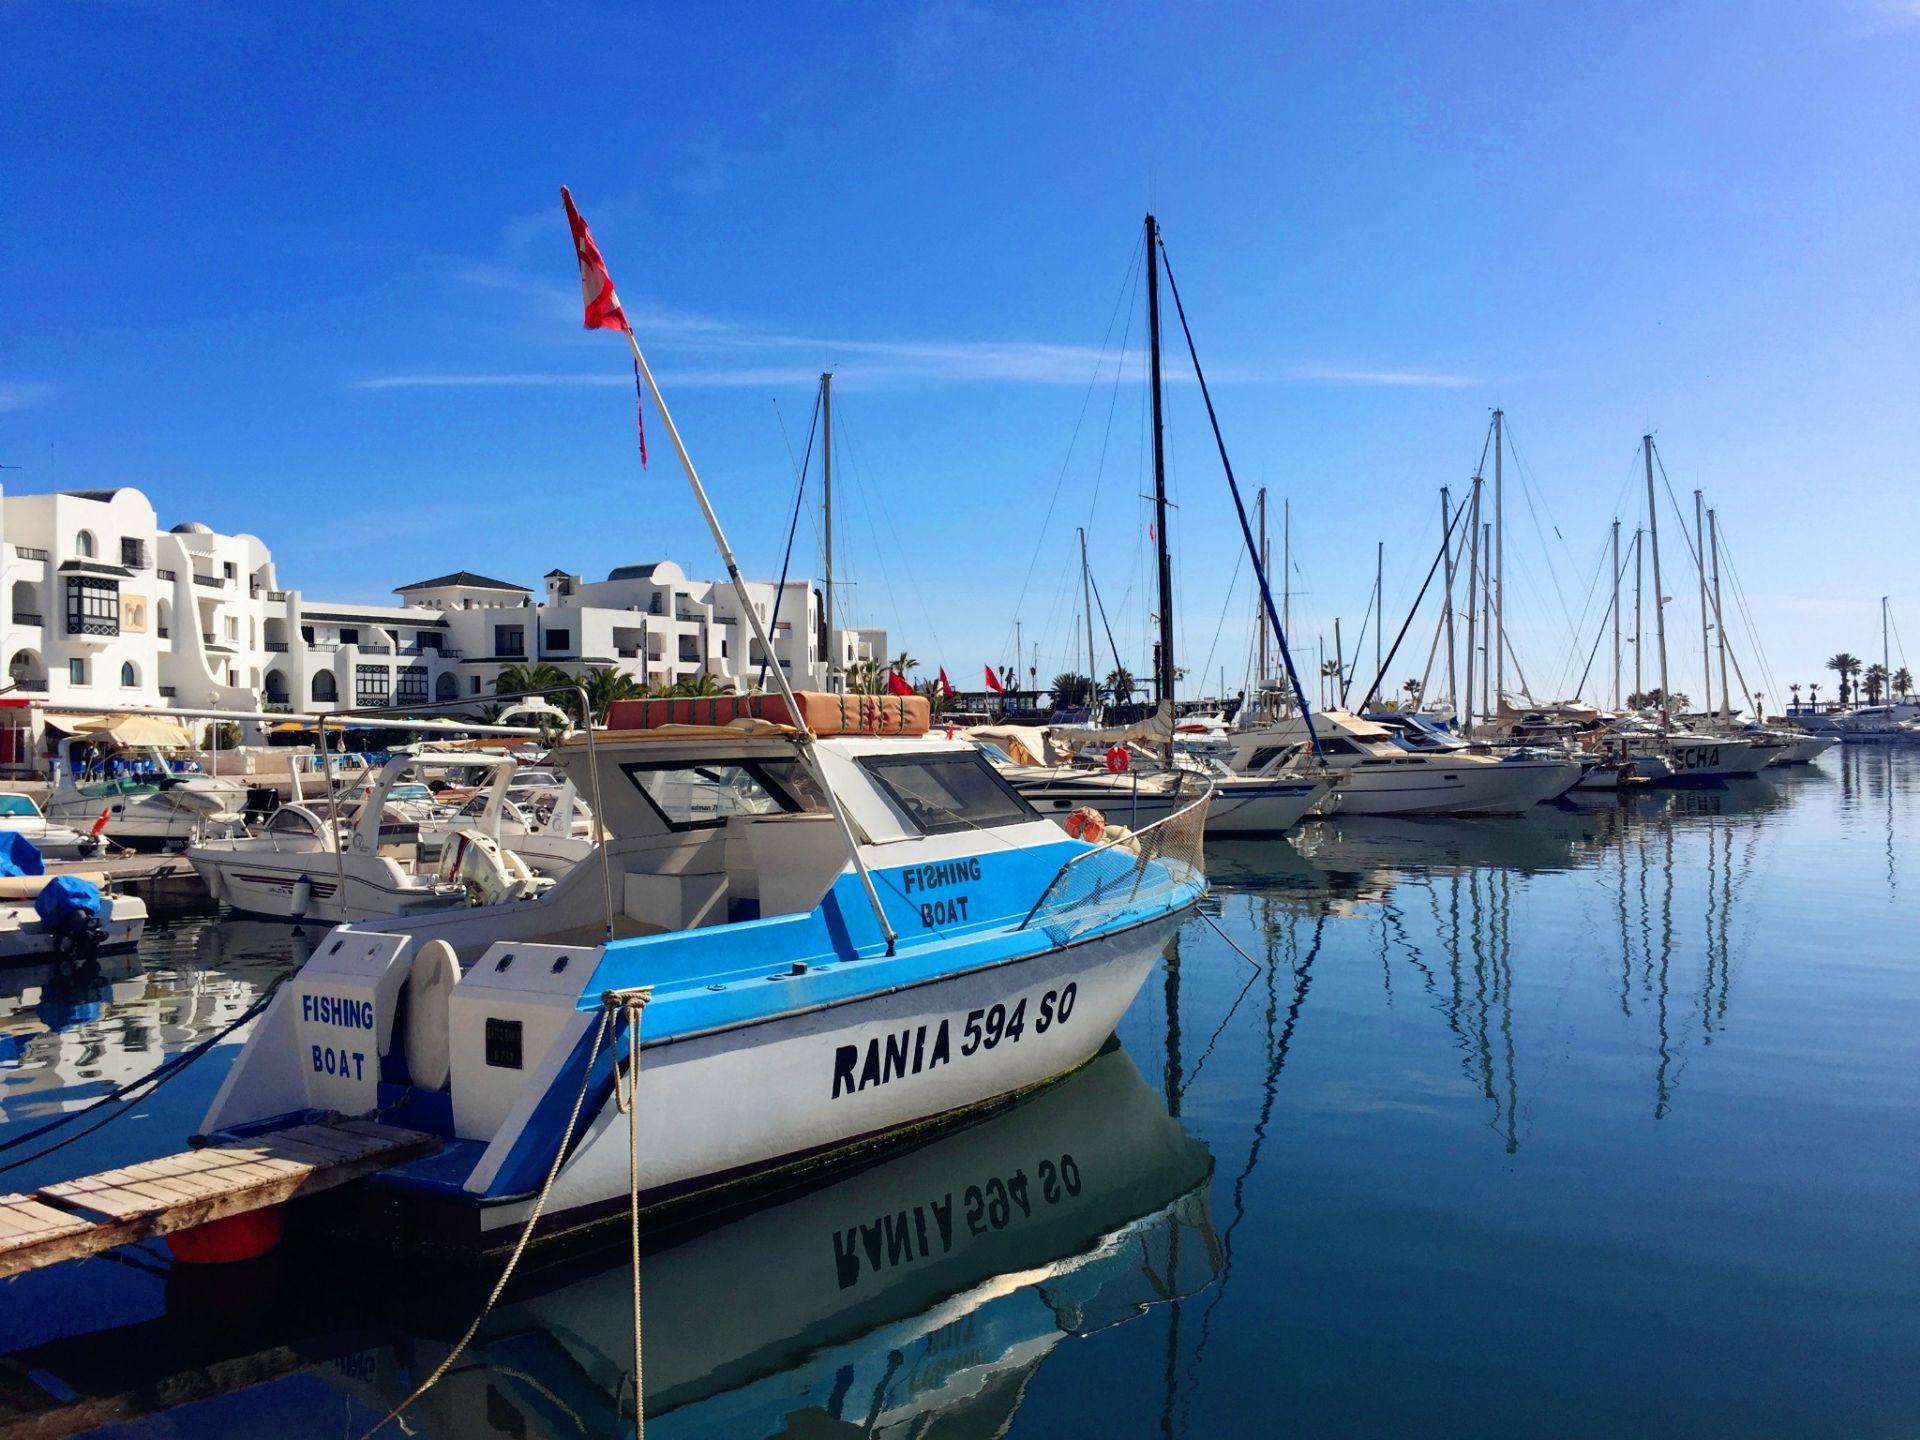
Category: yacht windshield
<point>14,807</point>
<point>691,795</point>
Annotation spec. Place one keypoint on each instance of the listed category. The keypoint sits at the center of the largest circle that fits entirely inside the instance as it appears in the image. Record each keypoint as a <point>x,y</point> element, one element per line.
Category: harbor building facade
<point>105,608</point>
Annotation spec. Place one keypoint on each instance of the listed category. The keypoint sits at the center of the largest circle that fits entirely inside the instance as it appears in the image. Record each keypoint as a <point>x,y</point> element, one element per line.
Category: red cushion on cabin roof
<point>824,714</point>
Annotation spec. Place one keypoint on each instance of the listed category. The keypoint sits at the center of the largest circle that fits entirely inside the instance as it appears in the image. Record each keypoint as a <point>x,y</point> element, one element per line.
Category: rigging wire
<point>799,497</point>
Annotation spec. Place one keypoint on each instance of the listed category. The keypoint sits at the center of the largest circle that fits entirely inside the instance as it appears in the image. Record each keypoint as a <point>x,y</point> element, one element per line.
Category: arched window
<point>163,618</point>
<point>324,688</point>
<point>447,687</point>
<point>276,688</point>
<point>83,545</point>
<point>129,675</point>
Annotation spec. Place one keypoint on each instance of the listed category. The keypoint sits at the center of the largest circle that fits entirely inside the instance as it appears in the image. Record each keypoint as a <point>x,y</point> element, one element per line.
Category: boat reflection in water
<point>930,1283</point>
<point>923,1287</point>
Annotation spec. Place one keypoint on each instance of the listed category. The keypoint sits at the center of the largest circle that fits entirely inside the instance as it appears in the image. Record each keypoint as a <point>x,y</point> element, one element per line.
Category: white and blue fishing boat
<point>813,926</point>
<point>800,999</point>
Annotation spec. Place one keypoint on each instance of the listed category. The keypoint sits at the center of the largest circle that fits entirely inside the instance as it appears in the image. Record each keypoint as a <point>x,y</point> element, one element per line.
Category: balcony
<point>277,647</point>
<point>628,652</point>
<point>280,595</point>
<point>167,692</point>
<point>29,552</point>
<point>375,647</point>
<point>165,575</point>
<point>23,617</point>
<point>213,581</point>
<point>209,637</point>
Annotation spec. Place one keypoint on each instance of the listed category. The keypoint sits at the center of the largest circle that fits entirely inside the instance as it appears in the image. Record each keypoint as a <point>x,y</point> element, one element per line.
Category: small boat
<point>364,860</point>
<point>74,916</point>
<point>548,826</point>
<point>804,998</point>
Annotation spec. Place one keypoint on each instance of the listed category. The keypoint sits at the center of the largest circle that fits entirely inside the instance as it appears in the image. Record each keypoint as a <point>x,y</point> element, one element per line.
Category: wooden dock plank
<point>177,1192</point>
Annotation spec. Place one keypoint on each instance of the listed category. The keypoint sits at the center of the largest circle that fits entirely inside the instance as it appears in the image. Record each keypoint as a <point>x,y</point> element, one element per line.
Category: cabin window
<point>1267,754</point>
<point>943,793</point>
<point>689,797</point>
<point>288,821</point>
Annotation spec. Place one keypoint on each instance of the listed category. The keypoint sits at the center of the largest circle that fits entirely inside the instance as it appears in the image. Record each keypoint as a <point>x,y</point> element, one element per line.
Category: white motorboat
<point>364,862</point>
<point>1380,777</point>
<point>156,809</point>
<point>548,826</point>
<point>20,816</point>
<point>1414,731</point>
<point>1689,756</point>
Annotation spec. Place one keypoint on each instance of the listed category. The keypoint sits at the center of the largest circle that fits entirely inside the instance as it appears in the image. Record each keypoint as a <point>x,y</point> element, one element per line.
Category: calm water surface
<point>1599,1120</point>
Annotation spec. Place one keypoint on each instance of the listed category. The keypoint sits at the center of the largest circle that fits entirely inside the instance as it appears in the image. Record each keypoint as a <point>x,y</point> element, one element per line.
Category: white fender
<point>302,897</point>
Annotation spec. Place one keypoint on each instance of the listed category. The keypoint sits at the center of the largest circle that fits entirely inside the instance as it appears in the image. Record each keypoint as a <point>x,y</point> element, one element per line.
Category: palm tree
<point>604,685</point>
<point>1846,667</point>
<point>1874,682</point>
<point>905,664</point>
<point>1903,682</point>
<point>1120,684</point>
<point>520,679</point>
<point>1412,687</point>
<point>1796,696</point>
<point>699,686</point>
<point>1070,689</point>
<point>1330,671</point>
<point>1813,696</point>
<point>866,677</point>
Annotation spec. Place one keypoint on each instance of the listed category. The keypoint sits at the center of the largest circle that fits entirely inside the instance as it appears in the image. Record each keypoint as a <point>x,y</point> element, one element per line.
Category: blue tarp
<point>63,896</point>
<point>18,855</point>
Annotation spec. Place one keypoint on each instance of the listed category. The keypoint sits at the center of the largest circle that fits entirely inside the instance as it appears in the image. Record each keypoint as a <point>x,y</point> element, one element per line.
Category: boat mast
<point>1259,610</point>
<point>1616,614</point>
<point>1379,569</point>
<point>1639,628</point>
<point>1659,599</point>
<point>1700,556</point>
<point>1720,620</point>
<point>1163,669</point>
<point>826,505</point>
<point>1473,608</point>
<point>1886,657</point>
<point>1086,603</point>
<point>1489,692</point>
<point>1339,665</point>
<point>1446,612</point>
<point>1286,566</point>
<point>1497,584</point>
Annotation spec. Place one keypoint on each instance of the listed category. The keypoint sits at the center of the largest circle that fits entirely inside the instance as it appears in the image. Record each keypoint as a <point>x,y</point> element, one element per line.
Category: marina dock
<point>85,1216</point>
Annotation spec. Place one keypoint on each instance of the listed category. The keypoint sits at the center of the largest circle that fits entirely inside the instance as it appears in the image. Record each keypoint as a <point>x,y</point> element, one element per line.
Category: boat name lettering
<point>926,1230</point>
<point>1698,757</point>
<point>943,873</point>
<point>337,1010</point>
<point>911,1051</point>
<point>347,1064</point>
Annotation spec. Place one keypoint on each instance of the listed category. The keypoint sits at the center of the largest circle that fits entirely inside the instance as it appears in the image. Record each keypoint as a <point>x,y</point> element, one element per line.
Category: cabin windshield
<point>943,793</point>
<point>288,821</point>
<point>14,807</point>
<point>692,795</point>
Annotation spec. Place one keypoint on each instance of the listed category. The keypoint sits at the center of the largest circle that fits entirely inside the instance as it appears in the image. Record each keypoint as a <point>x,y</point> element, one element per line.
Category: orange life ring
<point>1087,824</point>
<point>1118,760</point>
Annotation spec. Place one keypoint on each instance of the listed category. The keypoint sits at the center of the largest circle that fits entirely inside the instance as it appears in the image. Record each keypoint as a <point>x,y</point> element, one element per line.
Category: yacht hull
<point>1502,788</point>
<point>1252,806</point>
<point>296,886</point>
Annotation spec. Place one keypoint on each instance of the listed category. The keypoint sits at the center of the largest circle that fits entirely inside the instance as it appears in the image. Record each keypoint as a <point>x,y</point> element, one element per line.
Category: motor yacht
<point>1379,776</point>
<point>146,804</point>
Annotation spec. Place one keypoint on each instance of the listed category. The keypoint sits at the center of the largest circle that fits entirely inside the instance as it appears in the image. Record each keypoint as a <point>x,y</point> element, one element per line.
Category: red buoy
<point>246,1236</point>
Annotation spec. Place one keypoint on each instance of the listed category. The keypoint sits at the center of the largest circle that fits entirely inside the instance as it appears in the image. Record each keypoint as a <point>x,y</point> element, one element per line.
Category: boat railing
<point>1127,870</point>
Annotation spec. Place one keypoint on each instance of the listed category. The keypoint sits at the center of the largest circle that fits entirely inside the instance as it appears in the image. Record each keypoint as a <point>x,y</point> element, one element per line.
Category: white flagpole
<point>806,735</point>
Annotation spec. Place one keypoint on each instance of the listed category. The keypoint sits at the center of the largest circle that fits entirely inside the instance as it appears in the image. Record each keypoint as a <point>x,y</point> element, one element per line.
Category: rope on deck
<point>630,1004</point>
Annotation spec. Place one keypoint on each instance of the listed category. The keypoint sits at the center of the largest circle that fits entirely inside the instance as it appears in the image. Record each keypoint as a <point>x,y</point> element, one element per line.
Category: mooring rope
<point>526,1234</point>
<point>627,1099</point>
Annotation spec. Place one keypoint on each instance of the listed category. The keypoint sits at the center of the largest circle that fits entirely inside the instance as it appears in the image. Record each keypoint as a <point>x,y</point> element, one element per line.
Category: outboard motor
<point>69,911</point>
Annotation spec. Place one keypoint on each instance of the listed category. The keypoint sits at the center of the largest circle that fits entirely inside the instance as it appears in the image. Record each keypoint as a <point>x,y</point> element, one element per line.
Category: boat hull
<point>1501,788</point>
<point>1260,807</point>
<point>305,886</point>
<point>123,920</point>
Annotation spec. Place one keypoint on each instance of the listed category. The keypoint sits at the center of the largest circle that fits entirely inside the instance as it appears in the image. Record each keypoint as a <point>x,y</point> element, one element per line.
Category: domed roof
<point>191,527</point>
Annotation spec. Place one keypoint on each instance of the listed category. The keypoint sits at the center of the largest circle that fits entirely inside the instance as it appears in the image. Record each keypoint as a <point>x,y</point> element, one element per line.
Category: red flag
<point>603,310</point>
<point>596,285</point>
<point>897,684</point>
<point>946,685</point>
<point>993,682</point>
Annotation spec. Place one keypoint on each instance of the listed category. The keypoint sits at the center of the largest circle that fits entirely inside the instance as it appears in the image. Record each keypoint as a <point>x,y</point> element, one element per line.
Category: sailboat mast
<point>1497,583</point>
<point>1659,598</point>
<point>1446,613</point>
<point>1720,619</point>
<point>1616,614</point>
<point>1886,656</point>
<point>826,505</point>
<point>1086,604</point>
<point>1639,627</point>
<point>1339,665</point>
<point>1163,669</point>
<point>1286,565</point>
<point>1379,570</point>
<point>1473,609</point>
<point>1489,691</point>
<point>1700,555</point>
<point>1259,610</point>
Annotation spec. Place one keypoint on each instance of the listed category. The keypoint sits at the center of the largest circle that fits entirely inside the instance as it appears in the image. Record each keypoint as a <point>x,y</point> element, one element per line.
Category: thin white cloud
<point>774,357</point>
<point>1879,17</point>
<point>24,394</point>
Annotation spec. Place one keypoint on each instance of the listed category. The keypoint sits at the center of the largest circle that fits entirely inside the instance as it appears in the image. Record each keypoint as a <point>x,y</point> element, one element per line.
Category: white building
<point>104,608</point>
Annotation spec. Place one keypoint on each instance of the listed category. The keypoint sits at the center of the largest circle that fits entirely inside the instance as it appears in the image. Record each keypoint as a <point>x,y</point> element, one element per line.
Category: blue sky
<point>302,271</point>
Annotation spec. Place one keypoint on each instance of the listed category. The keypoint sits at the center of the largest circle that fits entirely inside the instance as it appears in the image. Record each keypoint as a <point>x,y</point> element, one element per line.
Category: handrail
<point>1132,840</point>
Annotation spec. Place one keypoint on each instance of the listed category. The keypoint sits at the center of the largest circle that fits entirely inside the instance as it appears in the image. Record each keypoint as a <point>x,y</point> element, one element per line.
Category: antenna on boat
<point>804,737</point>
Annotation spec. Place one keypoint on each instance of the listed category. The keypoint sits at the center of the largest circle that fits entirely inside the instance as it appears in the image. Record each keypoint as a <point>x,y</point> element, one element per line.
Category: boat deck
<point>80,1217</point>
